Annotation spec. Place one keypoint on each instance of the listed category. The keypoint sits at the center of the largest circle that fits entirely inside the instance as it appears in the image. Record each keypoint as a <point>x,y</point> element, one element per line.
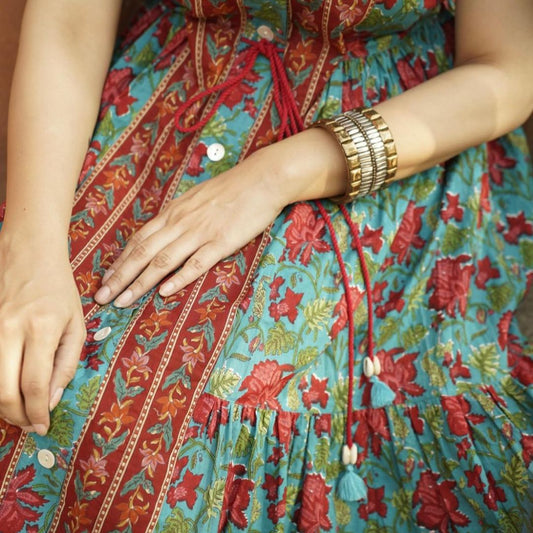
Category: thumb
<point>66,359</point>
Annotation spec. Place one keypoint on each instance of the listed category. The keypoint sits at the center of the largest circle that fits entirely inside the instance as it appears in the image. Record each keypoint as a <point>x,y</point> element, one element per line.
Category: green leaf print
<point>333,470</point>
<point>514,474</point>
<point>256,509</point>
<point>387,328</point>
<point>177,523</point>
<point>510,520</point>
<point>223,381</point>
<point>279,340</point>
<point>244,443</point>
<point>500,296</point>
<point>413,335</point>
<point>321,456</point>
<point>526,250</point>
<point>306,356</point>
<point>423,188</point>
<point>454,238</point>
<point>137,480</point>
<point>434,371</point>
<point>214,497</point>
<point>340,393</point>
<point>61,425</point>
<point>318,313</point>
<point>433,415</point>
<point>401,429</point>
<point>511,387</point>
<point>485,359</point>
<point>87,393</point>
<point>342,511</point>
<point>401,501</point>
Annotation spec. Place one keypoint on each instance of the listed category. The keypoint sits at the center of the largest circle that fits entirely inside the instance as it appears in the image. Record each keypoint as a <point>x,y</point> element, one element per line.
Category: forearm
<point>54,104</point>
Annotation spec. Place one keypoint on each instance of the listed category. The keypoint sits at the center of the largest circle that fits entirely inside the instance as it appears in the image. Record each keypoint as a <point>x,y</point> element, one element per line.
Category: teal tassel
<point>381,394</point>
<point>351,487</point>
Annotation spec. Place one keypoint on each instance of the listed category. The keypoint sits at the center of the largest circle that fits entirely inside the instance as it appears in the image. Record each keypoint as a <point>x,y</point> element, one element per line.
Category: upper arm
<point>85,26</point>
<point>500,34</point>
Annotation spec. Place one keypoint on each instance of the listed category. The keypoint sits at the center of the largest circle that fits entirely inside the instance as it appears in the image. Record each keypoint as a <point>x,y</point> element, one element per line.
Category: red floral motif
<point>264,384</point>
<point>457,370</point>
<point>323,424</point>
<point>285,427</point>
<point>374,504</point>
<point>439,509</point>
<point>400,373</point>
<point>277,510</point>
<point>236,498</point>
<point>185,491</point>
<point>416,421</point>
<point>317,393</point>
<point>412,73</point>
<point>286,307</point>
<point>474,479</point>
<point>485,273</point>
<point>462,448</point>
<point>20,501</point>
<point>454,210</point>
<point>116,91</point>
<point>450,281</point>
<point>495,494</point>
<point>527,448</point>
<point>396,303</point>
<point>312,515</point>
<point>271,485</point>
<point>497,161</point>
<point>194,168</point>
<point>458,415</point>
<point>372,238</point>
<point>484,199</point>
<point>372,428</point>
<point>277,282</point>
<point>518,225</point>
<point>341,310</point>
<point>407,236</point>
<point>276,455</point>
<point>305,233</point>
<point>210,412</point>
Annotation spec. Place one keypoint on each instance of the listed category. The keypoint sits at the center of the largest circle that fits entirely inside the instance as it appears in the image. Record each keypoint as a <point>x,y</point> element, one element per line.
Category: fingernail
<point>28,429</point>
<point>107,275</point>
<point>124,299</point>
<point>167,289</point>
<point>40,429</point>
<point>103,294</point>
<point>56,397</point>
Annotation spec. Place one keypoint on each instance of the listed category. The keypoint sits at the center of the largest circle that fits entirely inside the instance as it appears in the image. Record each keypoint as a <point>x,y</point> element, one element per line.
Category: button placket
<point>216,152</point>
<point>46,458</point>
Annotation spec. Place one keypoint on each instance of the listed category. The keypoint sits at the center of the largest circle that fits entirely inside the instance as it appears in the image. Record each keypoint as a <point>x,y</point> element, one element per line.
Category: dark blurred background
<point>10,15</point>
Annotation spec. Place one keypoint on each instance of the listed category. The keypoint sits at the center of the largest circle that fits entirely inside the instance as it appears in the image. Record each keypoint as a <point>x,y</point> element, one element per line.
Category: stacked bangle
<point>369,148</point>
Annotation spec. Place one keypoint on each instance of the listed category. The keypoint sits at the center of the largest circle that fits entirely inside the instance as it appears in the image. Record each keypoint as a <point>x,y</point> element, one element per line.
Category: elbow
<point>511,82</point>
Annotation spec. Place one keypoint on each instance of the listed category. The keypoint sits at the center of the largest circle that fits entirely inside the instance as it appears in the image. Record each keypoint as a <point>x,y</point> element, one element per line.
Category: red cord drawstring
<point>291,123</point>
<point>290,119</point>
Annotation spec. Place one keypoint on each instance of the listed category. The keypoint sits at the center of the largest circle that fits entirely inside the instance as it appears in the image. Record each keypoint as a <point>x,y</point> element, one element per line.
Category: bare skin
<point>71,41</point>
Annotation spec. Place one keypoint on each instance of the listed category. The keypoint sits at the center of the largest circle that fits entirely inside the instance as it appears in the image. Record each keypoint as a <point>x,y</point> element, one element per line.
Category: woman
<point>221,382</point>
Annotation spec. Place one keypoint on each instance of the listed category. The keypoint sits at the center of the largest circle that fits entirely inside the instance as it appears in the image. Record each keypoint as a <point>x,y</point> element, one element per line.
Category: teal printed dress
<point>223,408</point>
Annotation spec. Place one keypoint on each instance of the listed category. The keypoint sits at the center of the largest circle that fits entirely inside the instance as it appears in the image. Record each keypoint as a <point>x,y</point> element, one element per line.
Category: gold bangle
<point>370,151</point>
<point>353,165</point>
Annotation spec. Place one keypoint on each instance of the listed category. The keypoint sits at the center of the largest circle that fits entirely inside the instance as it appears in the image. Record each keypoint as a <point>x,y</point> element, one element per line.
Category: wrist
<point>307,166</point>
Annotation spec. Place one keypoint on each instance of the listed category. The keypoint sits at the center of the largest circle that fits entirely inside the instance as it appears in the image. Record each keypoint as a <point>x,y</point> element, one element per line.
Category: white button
<point>101,334</point>
<point>215,152</point>
<point>265,32</point>
<point>46,458</point>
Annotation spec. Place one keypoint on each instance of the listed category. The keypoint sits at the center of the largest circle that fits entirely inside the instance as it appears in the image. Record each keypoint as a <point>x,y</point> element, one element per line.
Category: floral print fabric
<point>223,408</point>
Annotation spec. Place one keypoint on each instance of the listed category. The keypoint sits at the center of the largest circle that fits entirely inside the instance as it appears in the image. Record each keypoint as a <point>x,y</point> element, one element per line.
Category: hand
<point>41,330</point>
<point>214,219</point>
<point>204,225</point>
